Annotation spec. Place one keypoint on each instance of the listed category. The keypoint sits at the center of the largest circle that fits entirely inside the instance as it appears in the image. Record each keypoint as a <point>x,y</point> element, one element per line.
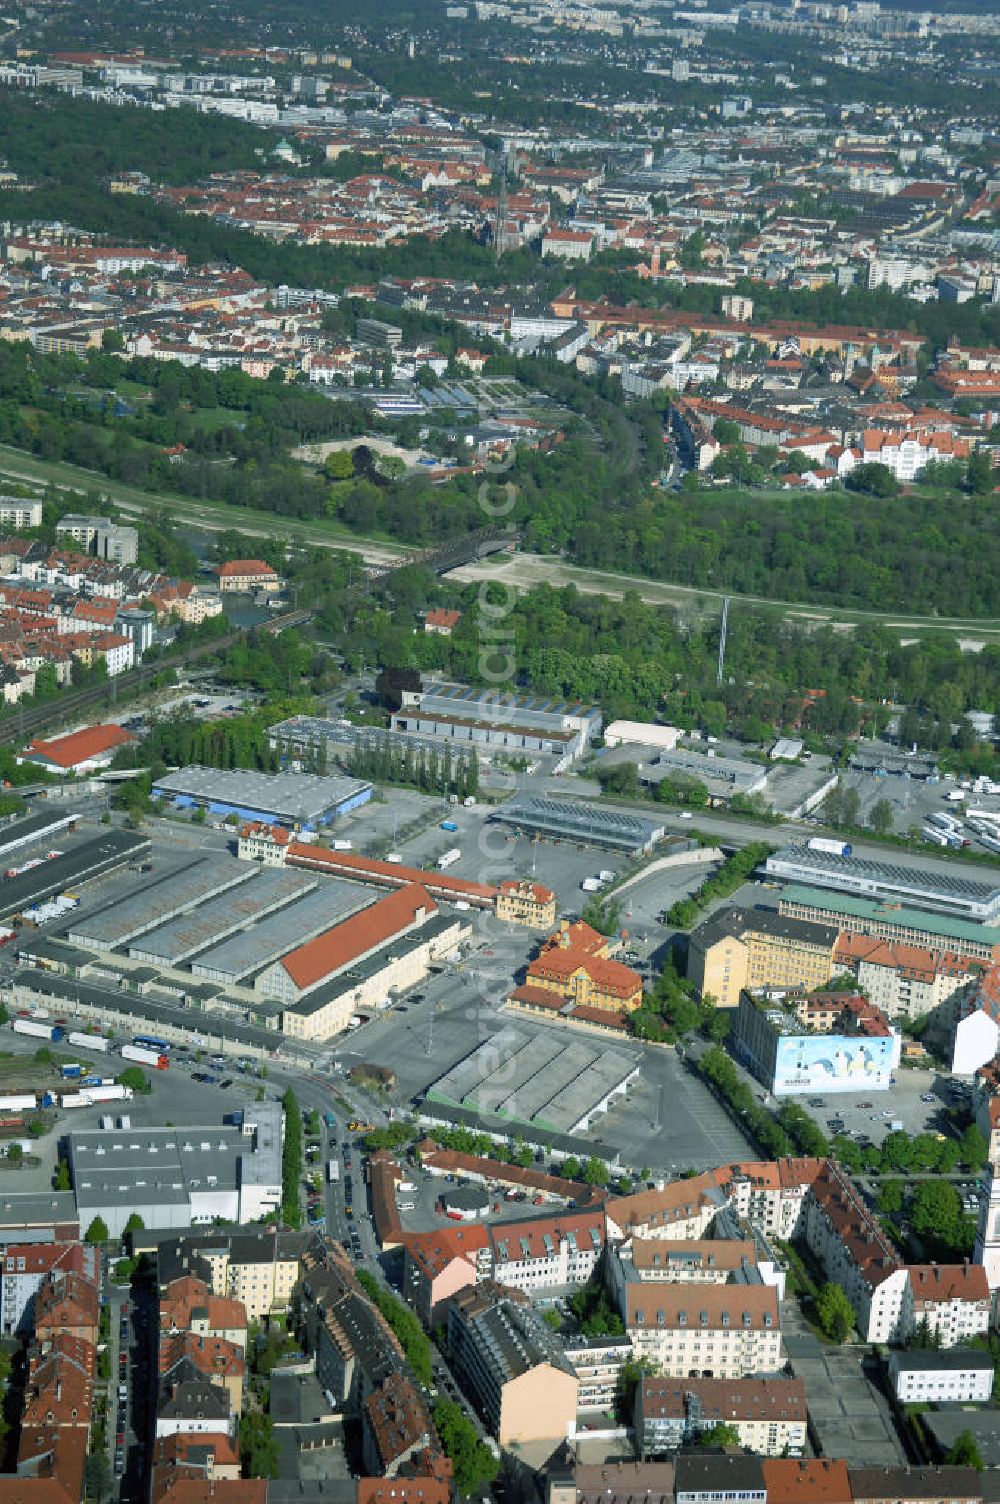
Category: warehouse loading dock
<point>97,857</point>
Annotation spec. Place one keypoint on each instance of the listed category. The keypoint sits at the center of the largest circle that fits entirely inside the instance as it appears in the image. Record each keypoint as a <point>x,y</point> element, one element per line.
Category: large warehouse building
<point>975,898</point>
<point>179,1177</point>
<point>483,719</point>
<point>545,1080</point>
<point>589,824</point>
<point>304,800</point>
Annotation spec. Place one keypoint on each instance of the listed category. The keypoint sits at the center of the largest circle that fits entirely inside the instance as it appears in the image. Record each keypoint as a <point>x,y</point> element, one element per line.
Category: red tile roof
<point>337,948</point>
<point>403,1491</point>
<point>933,1283</point>
<point>348,862</point>
<point>238,567</point>
<point>80,746</point>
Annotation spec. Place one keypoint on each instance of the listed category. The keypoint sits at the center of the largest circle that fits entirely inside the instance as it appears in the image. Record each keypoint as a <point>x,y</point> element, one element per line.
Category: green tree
<point>891,1196</point>
<point>135,1223</point>
<point>62,1181</point>
<point>97,1232</point>
<point>570,1168</point>
<point>135,1079</point>
<point>339,464</point>
<point>595,1171</point>
<point>936,1216</point>
<point>258,1445</point>
<point>97,1476</point>
<point>974,1151</point>
<point>720,1435</point>
<point>965,1452</point>
<point>15,1153</point>
<point>980,477</point>
<point>473,1464</point>
<point>834,1312</point>
<point>881,817</point>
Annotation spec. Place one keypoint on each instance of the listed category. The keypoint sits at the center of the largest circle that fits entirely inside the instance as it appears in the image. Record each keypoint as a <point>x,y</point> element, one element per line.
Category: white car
<point>686,814</point>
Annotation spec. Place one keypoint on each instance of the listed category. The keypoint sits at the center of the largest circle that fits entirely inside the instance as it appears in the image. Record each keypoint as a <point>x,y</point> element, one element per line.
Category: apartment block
<point>598,1363</point>
<point>904,981</point>
<point>769,1414</point>
<point>715,1331</point>
<point>547,1252</point>
<point>856,1254</point>
<point>257,1267</point>
<point>513,1365</point>
<point>436,1265</point>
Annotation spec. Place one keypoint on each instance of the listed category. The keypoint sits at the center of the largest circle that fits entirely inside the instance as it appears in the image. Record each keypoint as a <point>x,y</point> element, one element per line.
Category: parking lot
<point>868,1115</point>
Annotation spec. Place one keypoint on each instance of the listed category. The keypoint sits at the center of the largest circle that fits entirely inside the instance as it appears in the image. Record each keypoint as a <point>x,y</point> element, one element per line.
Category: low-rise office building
<point>886,919</point>
<point>954,894</point>
<point>575,965</point>
<point>239,576</point>
<point>482,719</point>
<point>961,1376</point>
<point>354,975</point>
<point>520,901</point>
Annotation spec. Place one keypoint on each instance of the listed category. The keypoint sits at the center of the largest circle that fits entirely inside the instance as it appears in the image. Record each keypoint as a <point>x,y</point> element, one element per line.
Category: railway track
<point>20,724</point>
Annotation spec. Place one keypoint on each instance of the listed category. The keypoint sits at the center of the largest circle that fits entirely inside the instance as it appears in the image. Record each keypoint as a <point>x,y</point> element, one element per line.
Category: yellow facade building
<point>758,948</point>
<point>522,902</point>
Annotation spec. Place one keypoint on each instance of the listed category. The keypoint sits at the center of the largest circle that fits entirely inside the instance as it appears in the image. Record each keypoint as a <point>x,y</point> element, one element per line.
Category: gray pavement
<point>849,1416</point>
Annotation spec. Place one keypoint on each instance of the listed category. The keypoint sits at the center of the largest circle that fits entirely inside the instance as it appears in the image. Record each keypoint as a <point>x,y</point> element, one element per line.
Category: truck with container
<point>448,859</point>
<point>143,1056</point>
<point>332,1170</point>
<point>935,837</point>
<point>111,1091</point>
<point>73,1070</point>
<point>37,1029</point>
<point>828,846</point>
<point>19,1102</point>
<point>87,1041</point>
<point>69,1100</point>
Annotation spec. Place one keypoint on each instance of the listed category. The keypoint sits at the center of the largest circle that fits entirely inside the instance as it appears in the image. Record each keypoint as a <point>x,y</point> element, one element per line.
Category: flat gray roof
<point>958,892</point>
<point>32,828</point>
<point>296,798</point>
<point>275,936</point>
<point>594,824</point>
<point>120,922</point>
<point>542,1079</point>
<point>173,942</point>
<point>89,859</point>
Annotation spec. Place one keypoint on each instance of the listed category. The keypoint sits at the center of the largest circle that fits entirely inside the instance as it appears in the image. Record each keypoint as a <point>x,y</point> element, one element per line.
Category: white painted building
<point>962,1375</point>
